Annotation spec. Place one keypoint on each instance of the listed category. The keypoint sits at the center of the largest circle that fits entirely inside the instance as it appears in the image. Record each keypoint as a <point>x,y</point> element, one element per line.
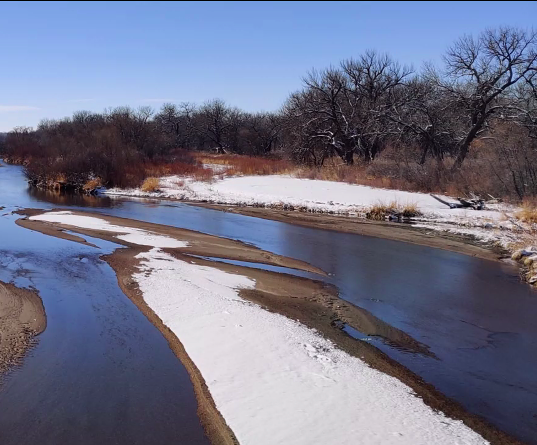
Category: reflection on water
<point>62,198</point>
<point>476,315</point>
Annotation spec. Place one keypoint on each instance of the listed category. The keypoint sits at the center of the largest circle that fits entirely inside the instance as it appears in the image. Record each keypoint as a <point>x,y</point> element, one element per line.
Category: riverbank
<point>344,207</point>
<point>315,305</point>
<point>22,318</point>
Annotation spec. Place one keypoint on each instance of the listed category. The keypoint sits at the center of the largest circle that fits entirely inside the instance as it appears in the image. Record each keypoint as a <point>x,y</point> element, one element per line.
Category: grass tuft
<point>92,184</point>
<point>150,185</point>
<point>528,212</point>
<point>381,211</point>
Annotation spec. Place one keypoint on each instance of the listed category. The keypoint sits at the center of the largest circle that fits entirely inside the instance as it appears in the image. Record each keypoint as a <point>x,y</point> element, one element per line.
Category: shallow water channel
<point>102,371</point>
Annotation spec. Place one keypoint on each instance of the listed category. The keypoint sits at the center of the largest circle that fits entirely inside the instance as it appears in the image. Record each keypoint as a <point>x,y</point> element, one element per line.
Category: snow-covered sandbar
<point>276,381</point>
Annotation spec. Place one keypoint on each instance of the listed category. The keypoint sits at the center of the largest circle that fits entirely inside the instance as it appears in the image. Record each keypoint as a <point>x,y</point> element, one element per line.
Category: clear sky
<point>56,58</point>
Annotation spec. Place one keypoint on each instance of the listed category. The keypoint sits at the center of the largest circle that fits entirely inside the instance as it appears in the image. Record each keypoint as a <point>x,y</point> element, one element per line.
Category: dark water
<point>476,315</point>
<point>101,372</point>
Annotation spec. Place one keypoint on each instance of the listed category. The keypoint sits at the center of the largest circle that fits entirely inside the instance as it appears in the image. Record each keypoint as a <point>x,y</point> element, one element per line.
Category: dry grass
<point>92,184</point>
<point>150,185</point>
<point>335,170</point>
<point>410,210</point>
<point>247,165</point>
<point>136,173</point>
<point>385,172</point>
<point>380,211</point>
<point>158,170</point>
<point>528,211</point>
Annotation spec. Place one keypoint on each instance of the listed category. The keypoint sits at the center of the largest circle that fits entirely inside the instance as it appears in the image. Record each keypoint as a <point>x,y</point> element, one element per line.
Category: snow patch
<point>276,381</point>
<point>327,196</point>
<point>129,234</point>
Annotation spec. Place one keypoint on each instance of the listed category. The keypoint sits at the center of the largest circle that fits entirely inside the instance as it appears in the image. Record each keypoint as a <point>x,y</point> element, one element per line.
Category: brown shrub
<point>380,211</point>
<point>92,184</point>
<point>203,174</point>
<point>135,173</point>
<point>528,212</point>
<point>150,185</point>
<point>247,165</point>
<point>410,210</point>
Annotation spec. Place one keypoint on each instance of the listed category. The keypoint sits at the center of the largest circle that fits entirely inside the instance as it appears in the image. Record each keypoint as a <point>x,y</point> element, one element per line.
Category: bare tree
<point>214,121</point>
<point>263,131</point>
<point>480,75</point>
<point>424,117</point>
<point>346,108</point>
<point>135,127</point>
<point>375,81</point>
<point>175,122</point>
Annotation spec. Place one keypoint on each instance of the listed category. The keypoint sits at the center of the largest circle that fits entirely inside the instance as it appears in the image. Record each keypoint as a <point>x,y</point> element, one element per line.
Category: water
<point>476,315</point>
<point>101,372</point>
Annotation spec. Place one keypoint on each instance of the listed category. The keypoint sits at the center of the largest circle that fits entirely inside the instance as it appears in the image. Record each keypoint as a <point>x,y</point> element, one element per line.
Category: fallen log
<point>474,203</point>
<point>451,205</point>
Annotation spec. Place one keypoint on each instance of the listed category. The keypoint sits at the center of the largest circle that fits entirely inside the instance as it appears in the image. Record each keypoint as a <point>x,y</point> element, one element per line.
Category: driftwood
<point>471,203</point>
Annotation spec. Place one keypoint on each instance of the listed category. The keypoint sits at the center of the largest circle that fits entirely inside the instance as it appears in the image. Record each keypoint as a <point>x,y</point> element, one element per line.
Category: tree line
<point>479,107</point>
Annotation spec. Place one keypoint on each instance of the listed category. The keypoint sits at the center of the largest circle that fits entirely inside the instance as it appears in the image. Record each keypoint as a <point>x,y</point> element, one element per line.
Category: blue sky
<point>56,58</point>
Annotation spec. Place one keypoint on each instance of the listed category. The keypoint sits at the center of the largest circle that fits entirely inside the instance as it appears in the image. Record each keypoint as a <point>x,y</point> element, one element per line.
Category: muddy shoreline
<point>22,318</point>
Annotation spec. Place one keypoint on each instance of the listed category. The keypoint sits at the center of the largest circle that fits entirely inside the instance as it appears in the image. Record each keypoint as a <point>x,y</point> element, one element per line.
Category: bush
<point>381,211</point>
<point>528,213</point>
<point>92,184</point>
<point>151,185</point>
<point>410,210</point>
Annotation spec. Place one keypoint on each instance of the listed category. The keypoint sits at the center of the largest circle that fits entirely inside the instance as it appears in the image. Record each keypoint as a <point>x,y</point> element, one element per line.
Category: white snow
<point>276,381</point>
<point>129,234</point>
<point>311,194</point>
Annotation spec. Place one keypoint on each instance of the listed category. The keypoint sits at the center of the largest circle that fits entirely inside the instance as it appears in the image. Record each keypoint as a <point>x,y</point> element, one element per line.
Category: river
<point>102,370</point>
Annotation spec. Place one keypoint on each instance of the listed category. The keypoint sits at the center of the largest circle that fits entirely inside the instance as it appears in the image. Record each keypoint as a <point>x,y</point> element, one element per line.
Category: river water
<point>475,315</point>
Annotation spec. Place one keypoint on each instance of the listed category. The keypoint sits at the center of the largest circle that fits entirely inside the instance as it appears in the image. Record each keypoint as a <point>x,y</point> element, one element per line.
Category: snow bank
<point>276,381</point>
<point>131,235</point>
<point>270,190</point>
<point>496,225</point>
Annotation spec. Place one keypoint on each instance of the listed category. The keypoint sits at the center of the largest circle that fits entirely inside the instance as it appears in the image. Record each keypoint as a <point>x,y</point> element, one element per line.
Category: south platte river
<point>102,373</point>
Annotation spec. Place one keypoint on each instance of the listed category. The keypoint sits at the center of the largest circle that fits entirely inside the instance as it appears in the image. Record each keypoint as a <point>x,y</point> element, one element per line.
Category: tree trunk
<point>424,154</point>
<point>461,156</point>
<point>465,146</point>
<point>375,148</point>
<point>348,157</point>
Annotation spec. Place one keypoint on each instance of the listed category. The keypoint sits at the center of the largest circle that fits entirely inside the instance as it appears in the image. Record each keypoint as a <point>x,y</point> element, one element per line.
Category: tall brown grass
<point>150,185</point>
<point>528,211</point>
<point>135,174</point>
<point>92,184</point>
<point>380,211</point>
<point>248,165</point>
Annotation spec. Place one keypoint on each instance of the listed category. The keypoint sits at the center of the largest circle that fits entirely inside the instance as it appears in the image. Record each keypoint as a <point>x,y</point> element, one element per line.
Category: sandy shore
<point>313,303</point>
<point>22,317</point>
